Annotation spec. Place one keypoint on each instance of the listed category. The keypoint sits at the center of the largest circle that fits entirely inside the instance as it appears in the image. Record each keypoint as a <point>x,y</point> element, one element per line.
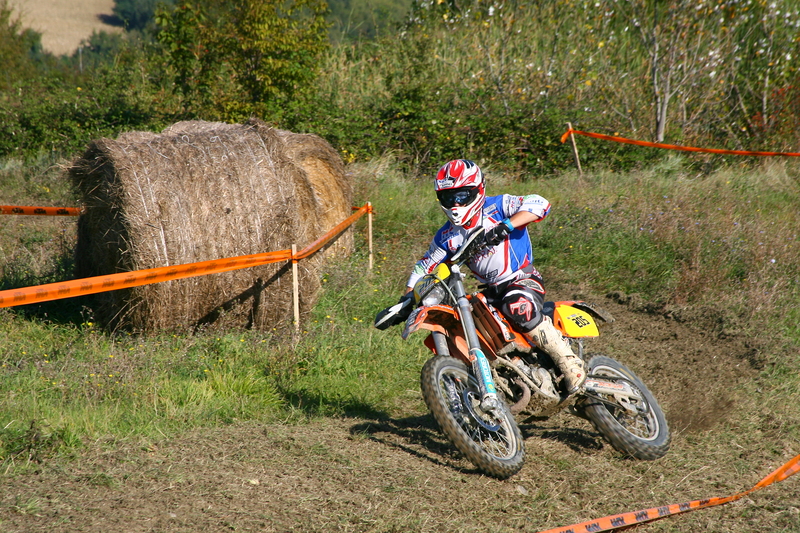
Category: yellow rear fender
<point>573,322</point>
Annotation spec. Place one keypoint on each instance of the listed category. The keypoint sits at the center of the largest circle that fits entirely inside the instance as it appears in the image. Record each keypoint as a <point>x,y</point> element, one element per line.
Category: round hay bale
<point>200,191</point>
<point>314,155</point>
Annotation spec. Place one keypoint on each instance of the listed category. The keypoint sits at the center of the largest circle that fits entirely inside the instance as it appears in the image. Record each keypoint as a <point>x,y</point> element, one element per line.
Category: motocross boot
<point>549,339</point>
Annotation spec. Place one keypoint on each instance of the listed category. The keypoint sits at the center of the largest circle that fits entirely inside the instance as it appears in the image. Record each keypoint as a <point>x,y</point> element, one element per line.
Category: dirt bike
<point>484,373</point>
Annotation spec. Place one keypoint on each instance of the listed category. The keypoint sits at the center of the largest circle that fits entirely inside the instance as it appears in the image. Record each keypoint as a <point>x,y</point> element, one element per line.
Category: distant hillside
<point>65,23</point>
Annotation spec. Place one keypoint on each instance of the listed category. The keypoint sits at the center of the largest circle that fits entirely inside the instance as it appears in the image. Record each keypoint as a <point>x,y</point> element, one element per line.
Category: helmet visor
<point>453,197</point>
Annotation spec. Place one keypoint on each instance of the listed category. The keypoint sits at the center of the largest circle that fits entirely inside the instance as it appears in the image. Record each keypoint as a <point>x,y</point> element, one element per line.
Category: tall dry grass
<point>728,239</point>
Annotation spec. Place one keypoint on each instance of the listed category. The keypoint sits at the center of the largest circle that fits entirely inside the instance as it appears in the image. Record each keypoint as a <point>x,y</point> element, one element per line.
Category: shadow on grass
<point>577,439</point>
<point>62,312</point>
<point>317,404</point>
<point>420,436</point>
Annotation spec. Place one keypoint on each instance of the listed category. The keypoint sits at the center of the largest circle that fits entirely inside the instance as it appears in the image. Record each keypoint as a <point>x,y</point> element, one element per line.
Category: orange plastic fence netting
<point>319,243</point>
<point>609,523</point>
<point>673,146</point>
<point>124,280</point>
<point>46,211</point>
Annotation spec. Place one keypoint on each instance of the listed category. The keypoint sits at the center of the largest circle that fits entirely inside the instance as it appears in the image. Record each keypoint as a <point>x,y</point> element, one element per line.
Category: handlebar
<point>475,241</point>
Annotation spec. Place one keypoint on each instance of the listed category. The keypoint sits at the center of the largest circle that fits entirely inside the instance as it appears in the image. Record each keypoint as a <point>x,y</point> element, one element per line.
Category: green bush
<point>353,20</point>
<point>494,82</point>
<point>237,58</point>
<point>138,14</point>
<point>21,52</point>
<point>48,115</point>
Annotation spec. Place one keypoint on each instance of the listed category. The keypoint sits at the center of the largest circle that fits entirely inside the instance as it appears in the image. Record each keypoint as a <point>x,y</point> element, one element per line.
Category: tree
<point>765,94</point>
<point>685,41</point>
<point>275,45</point>
<point>21,51</point>
<point>137,14</point>
<point>242,55</point>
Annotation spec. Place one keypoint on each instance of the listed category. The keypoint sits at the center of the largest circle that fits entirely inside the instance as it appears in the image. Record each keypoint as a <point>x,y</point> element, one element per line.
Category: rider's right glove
<point>396,314</point>
<point>497,234</point>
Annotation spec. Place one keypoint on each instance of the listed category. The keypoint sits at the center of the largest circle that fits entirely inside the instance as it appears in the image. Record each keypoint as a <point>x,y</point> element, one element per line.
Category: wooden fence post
<point>295,290</point>
<point>575,149</point>
<point>369,232</point>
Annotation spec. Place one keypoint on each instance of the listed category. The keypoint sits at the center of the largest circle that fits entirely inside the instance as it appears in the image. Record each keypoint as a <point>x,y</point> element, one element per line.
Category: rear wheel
<point>634,427</point>
<point>490,440</point>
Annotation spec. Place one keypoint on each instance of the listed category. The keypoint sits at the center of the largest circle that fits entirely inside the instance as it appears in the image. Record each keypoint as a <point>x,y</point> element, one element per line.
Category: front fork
<point>480,364</point>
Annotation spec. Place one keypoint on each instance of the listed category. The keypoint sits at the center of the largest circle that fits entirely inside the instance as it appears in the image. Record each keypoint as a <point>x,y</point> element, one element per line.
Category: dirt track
<point>401,475</point>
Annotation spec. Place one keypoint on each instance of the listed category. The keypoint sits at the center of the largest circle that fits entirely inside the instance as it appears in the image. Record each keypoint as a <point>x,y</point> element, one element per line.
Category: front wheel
<point>637,428</point>
<point>490,440</point>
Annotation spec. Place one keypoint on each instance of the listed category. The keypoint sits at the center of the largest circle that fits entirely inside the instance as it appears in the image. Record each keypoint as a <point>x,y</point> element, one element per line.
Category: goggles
<point>461,197</point>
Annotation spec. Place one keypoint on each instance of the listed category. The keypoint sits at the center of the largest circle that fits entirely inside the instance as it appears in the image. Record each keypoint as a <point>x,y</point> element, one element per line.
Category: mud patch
<point>691,359</point>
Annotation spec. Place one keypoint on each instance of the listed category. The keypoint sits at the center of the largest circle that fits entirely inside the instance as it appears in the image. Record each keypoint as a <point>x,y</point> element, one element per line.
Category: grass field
<point>251,431</point>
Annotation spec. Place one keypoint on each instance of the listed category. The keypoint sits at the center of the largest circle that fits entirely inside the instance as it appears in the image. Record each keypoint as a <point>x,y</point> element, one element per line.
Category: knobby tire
<point>445,383</point>
<point>645,436</point>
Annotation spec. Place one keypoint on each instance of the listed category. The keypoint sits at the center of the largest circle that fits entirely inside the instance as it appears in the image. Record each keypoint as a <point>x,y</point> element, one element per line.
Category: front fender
<point>444,319</point>
<point>441,318</point>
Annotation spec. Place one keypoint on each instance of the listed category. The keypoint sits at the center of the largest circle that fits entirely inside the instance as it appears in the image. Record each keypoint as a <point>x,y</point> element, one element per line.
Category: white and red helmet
<point>461,190</point>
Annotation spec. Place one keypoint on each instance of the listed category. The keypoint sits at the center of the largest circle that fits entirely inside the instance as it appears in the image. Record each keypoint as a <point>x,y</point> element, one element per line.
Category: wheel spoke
<point>643,425</point>
<point>490,440</point>
<point>496,443</point>
<point>632,422</point>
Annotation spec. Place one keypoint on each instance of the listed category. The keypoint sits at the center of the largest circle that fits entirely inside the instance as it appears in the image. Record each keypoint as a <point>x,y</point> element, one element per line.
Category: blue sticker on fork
<point>486,372</point>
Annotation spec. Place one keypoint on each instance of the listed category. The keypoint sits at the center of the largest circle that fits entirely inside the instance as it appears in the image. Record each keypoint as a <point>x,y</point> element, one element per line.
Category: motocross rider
<point>505,265</point>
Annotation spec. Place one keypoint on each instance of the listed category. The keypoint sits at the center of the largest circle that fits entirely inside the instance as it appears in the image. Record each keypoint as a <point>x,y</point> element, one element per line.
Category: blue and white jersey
<point>495,264</point>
